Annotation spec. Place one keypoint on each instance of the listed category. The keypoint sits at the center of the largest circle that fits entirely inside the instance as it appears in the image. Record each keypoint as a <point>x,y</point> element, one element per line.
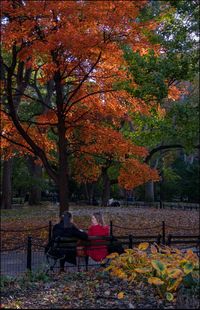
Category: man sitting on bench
<point>66,228</point>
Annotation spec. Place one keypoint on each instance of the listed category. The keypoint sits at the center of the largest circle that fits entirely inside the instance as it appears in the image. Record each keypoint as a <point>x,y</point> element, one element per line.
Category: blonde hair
<point>99,218</point>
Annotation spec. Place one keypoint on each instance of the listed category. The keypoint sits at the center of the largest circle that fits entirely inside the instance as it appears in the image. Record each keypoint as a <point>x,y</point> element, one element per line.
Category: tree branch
<point>91,94</point>
<point>32,98</point>
<point>164,147</point>
<point>16,143</point>
<point>84,79</point>
<point>36,149</point>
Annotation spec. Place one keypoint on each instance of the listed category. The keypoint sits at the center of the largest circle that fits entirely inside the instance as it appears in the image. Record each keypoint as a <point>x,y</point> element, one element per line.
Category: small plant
<point>5,281</point>
<point>36,276</point>
<point>164,268</point>
<point>32,278</point>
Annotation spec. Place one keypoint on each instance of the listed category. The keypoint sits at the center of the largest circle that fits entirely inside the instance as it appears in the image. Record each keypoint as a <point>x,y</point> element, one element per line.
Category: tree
<point>6,195</point>
<point>159,77</point>
<point>156,79</point>
<point>73,51</point>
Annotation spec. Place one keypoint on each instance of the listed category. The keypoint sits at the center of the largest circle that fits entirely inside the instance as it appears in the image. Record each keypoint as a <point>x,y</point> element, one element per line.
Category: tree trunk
<point>87,197</point>
<point>63,179</point>
<point>6,199</point>
<point>90,191</point>
<point>36,174</point>
<point>63,187</point>
<point>149,191</point>
<point>106,188</point>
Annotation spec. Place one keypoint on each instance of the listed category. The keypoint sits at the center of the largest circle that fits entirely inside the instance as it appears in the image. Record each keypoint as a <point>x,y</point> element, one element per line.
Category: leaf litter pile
<point>83,290</point>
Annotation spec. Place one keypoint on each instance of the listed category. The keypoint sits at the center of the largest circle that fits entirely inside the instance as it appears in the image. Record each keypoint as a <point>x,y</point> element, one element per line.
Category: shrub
<point>36,276</point>
<point>5,281</point>
<point>167,269</point>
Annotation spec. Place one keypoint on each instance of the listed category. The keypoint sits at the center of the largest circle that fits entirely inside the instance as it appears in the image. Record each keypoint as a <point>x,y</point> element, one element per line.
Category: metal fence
<point>29,254</point>
<point>162,204</point>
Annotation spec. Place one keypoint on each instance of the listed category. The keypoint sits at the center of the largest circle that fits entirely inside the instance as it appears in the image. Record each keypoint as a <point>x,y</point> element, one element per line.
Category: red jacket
<point>96,252</point>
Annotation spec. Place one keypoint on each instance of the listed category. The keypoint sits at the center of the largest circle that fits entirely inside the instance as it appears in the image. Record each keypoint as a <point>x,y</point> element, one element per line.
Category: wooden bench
<point>61,246</point>
<point>193,240</point>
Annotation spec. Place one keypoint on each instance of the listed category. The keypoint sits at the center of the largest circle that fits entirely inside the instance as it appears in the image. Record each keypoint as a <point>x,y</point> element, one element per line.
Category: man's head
<point>67,218</point>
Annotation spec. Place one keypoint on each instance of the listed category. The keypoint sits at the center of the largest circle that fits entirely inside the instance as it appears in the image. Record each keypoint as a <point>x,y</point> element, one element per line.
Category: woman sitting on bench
<point>98,228</point>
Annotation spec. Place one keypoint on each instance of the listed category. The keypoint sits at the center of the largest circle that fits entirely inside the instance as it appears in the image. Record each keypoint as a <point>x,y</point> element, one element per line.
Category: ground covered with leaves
<point>94,289</point>
<point>83,290</point>
<point>20,222</point>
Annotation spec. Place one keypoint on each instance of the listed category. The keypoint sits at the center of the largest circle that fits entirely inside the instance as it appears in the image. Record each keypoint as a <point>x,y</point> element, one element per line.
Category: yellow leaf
<point>177,251</point>
<point>129,251</point>
<point>120,295</point>
<point>166,250</point>
<point>142,270</point>
<point>169,296</point>
<point>131,277</point>
<point>175,285</point>
<point>155,281</point>
<point>174,273</point>
<point>108,268</point>
<point>143,246</point>
<point>158,265</point>
<point>189,252</point>
<point>113,255</point>
<point>188,267</point>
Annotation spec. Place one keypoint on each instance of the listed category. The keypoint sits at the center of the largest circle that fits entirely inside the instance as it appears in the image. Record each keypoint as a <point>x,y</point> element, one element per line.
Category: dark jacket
<point>73,231</point>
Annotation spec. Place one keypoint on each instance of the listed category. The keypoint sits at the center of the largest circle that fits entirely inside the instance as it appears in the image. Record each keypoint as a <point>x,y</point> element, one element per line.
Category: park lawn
<point>126,220</point>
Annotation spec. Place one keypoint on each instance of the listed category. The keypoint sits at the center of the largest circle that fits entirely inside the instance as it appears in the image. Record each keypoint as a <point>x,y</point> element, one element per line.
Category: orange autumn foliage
<point>77,45</point>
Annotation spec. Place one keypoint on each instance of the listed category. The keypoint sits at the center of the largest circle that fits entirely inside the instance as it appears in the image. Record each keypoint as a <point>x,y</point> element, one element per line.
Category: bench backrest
<point>174,239</point>
<point>70,242</point>
<point>66,242</point>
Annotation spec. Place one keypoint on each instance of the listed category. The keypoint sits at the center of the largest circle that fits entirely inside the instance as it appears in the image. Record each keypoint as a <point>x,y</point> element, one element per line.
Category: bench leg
<point>78,263</point>
<point>86,262</point>
<point>51,265</point>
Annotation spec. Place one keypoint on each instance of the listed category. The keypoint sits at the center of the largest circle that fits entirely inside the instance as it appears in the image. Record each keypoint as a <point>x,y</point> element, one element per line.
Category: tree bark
<point>90,192</point>
<point>149,191</point>
<point>36,173</point>
<point>63,173</point>
<point>63,185</point>
<point>106,188</point>
<point>6,199</point>
<point>87,197</point>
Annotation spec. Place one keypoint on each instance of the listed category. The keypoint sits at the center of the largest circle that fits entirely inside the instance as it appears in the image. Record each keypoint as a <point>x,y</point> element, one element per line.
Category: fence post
<point>169,239</point>
<point>29,252</point>
<point>111,229</point>
<point>130,245</point>
<point>159,238</point>
<point>163,232</point>
<point>50,230</point>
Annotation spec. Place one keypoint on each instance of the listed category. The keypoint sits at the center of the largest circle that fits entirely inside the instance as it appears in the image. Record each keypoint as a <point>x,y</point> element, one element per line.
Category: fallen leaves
<point>120,295</point>
<point>132,220</point>
<point>81,290</point>
<point>155,281</point>
<point>143,246</point>
<point>86,290</point>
